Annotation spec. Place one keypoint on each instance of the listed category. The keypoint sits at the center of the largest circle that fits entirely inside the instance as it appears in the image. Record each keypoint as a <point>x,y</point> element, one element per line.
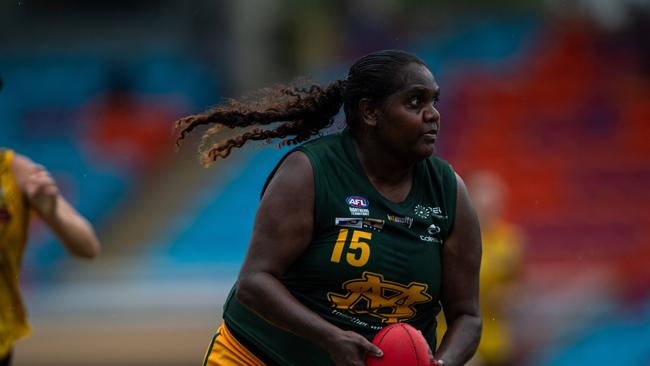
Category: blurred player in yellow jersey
<point>501,270</point>
<point>26,187</point>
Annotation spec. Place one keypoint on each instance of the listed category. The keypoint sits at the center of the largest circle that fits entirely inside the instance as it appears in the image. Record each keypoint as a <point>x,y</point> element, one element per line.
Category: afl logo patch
<point>356,201</point>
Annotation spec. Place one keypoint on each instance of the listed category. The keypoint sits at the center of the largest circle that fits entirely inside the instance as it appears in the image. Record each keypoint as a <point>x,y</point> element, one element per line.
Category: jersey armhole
<point>318,181</point>
<point>453,183</point>
<point>272,174</point>
<point>313,160</point>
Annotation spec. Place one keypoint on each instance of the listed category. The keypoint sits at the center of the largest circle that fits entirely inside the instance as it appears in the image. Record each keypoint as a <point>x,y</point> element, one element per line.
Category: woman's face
<point>408,121</point>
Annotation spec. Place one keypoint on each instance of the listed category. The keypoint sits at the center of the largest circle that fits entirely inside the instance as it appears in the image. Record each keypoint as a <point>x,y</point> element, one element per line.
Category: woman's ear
<point>368,112</point>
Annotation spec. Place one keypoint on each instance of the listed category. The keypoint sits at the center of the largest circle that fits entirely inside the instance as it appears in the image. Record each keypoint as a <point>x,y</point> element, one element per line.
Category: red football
<point>402,345</point>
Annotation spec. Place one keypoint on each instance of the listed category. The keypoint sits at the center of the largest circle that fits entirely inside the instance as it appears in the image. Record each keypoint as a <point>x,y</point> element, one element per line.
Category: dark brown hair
<point>300,111</point>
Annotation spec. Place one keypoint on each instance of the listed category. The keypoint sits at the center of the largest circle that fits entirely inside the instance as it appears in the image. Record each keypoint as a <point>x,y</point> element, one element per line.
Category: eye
<point>414,102</point>
<point>419,101</point>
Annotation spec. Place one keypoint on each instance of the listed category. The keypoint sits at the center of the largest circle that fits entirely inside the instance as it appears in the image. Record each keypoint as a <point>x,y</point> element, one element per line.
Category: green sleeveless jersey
<point>371,262</point>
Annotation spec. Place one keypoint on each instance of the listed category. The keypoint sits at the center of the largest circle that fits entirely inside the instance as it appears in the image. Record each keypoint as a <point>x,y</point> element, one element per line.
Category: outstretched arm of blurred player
<point>42,194</point>
<point>461,264</point>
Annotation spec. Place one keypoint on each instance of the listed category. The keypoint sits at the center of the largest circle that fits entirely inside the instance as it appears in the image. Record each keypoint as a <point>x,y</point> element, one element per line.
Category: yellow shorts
<point>225,350</point>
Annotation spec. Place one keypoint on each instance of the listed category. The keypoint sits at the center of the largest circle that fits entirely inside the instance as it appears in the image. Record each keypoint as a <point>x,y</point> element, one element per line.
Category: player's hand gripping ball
<point>402,345</point>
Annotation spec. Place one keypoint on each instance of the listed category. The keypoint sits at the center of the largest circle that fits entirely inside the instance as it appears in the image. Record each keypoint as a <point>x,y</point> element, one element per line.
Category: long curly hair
<point>302,112</point>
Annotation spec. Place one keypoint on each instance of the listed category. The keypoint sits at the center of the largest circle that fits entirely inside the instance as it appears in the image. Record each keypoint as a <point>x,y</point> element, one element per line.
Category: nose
<point>431,115</point>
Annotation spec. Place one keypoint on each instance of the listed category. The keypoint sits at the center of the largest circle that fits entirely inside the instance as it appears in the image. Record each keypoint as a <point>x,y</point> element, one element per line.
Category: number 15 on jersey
<point>357,252</point>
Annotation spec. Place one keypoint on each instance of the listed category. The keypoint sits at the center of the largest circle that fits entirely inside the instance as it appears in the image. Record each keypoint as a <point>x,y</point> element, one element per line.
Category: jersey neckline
<point>348,146</point>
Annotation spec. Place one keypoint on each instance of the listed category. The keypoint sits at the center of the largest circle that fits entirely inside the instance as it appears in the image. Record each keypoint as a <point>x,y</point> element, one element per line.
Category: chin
<point>426,152</point>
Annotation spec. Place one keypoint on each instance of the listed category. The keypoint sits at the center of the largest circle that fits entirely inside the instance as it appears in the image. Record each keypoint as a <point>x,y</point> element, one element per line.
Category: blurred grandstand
<point>551,95</point>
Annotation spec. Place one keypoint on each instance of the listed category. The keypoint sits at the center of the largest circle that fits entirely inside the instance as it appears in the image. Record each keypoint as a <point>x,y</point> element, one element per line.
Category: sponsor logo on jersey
<point>433,229</point>
<point>425,212</point>
<point>430,239</point>
<point>353,222</point>
<point>408,221</point>
<point>356,201</point>
<point>355,320</point>
<point>421,211</point>
<point>374,224</point>
<point>359,223</point>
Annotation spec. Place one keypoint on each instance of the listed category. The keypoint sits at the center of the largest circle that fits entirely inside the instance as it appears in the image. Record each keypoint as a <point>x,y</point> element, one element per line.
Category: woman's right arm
<point>42,194</point>
<point>283,229</point>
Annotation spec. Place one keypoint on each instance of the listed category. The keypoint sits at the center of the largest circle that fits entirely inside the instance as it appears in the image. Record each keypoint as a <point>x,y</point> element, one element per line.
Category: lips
<point>431,133</point>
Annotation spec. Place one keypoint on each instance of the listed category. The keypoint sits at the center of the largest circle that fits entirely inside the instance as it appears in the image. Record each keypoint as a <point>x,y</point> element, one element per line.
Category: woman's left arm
<point>461,262</point>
